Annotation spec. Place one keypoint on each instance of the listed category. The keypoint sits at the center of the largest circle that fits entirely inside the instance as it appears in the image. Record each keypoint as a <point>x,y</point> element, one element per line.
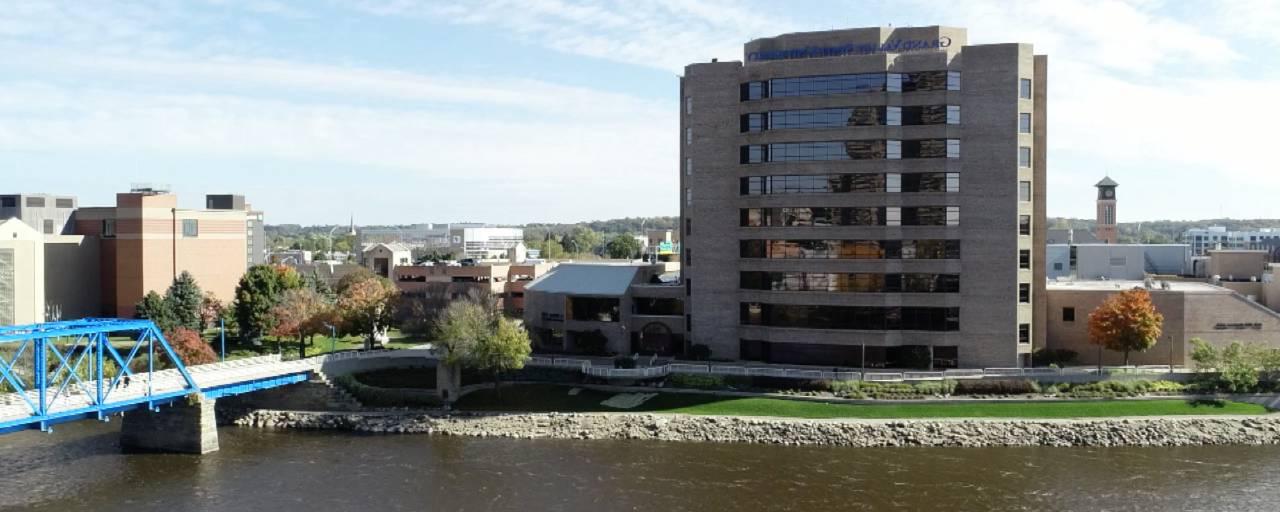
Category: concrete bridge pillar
<point>184,426</point>
<point>448,382</point>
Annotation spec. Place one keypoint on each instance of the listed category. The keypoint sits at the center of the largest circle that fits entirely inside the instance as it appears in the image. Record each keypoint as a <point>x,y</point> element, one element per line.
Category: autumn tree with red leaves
<point>1126,322</point>
<point>301,314</point>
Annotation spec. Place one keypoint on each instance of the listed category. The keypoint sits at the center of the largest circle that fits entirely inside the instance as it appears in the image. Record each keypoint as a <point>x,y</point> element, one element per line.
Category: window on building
<point>1024,123</point>
<point>108,228</point>
<point>893,182</point>
<point>35,202</point>
<point>893,150</point>
<point>688,135</point>
<point>64,202</point>
<point>688,167</point>
<point>592,309</point>
<point>953,114</point>
<point>1068,314</point>
<point>953,182</point>
<point>953,80</point>
<point>1024,225</point>
<point>1024,293</point>
<point>8,202</point>
<point>1024,334</point>
<point>688,287</point>
<point>688,105</point>
<point>1024,88</point>
<point>190,228</point>
<point>1024,156</point>
<point>48,226</point>
<point>688,196</point>
<point>1057,266</point>
<point>754,91</point>
<point>953,215</point>
<point>893,216</point>
<point>953,148</point>
<point>865,318</point>
<point>1024,190</point>
<point>1024,259</point>
<point>893,116</point>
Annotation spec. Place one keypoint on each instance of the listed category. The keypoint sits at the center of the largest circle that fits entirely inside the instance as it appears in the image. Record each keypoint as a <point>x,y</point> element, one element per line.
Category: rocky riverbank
<point>1152,431</point>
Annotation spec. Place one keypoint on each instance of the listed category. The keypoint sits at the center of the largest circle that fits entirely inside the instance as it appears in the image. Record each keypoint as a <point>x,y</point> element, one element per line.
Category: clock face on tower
<point>1108,193</point>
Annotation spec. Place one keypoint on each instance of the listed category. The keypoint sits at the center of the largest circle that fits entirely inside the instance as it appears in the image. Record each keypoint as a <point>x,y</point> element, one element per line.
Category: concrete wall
<point>1237,265</point>
<point>72,278</point>
<point>180,427</point>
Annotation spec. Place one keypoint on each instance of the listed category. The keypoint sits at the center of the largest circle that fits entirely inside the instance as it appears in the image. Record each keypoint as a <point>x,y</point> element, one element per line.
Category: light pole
<point>350,232</point>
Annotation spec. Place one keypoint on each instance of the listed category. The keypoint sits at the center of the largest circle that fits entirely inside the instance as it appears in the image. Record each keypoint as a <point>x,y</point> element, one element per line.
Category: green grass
<point>553,398</point>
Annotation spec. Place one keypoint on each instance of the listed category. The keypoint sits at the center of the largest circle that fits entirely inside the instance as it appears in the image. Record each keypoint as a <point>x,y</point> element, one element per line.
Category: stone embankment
<point>1153,431</point>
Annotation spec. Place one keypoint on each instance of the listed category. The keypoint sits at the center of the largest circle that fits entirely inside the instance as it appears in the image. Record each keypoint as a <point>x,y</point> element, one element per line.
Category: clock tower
<point>1106,225</point>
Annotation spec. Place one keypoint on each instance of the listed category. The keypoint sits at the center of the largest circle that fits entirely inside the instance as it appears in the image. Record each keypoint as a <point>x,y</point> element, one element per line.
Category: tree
<point>321,286</point>
<point>155,308</point>
<point>301,313</point>
<point>190,347</point>
<point>259,291</point>
<point>473,334</point>
<point>211,311</point>
<point>1126,322</point>
<point>623,246</point>
<point>581,239</point>
<point>185,300</point>
<point>356,275</point>
<point>366,308</point>
<point>503,348</point>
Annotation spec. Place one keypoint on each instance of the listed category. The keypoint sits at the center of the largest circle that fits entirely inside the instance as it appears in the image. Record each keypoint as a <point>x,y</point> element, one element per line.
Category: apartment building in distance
<point>868,197</point>
<point>1203,240</point>
<point>146,241</point>
<point>45,213</point>
<point>255,231</point>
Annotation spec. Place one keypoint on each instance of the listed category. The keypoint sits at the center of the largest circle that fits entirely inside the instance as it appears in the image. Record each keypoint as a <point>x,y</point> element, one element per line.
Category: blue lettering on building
<point>810,52</point>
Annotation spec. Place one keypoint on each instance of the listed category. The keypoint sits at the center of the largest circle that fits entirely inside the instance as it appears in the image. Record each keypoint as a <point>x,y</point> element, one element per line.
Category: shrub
<point>190,347</point>
<point>683,380</point>
<point>624,362</point>
<point>996,387</point>
<point>385,397</point>
<point>699,352</point>
<point>1054,357</point>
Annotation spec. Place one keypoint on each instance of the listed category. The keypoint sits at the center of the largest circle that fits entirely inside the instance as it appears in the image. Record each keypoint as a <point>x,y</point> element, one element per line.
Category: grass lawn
<point>549,398</point>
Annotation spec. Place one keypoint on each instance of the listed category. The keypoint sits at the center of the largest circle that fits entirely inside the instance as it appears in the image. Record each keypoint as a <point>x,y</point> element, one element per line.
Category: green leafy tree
<point>581,240</point>
<point>473,334</point>
<point>259,291</point>
<point>185,301</point>
<point>155,308</point>
<point>1126,322</point>
<point>1234,368</point>
<point>623,246</point>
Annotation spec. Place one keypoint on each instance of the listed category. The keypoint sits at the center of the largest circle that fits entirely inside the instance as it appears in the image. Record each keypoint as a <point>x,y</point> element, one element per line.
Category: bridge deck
<point>218,379</point>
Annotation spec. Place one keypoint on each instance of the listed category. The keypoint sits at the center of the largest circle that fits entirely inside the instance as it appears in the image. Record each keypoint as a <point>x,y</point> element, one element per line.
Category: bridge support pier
<point>448,382</point>
<point>185,426</point>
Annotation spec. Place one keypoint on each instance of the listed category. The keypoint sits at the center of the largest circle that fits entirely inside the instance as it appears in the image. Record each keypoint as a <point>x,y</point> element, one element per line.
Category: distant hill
<point>1164,231</point>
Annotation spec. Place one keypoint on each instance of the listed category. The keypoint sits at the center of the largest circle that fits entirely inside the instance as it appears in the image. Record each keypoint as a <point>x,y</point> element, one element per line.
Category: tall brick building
<point>867,197</point>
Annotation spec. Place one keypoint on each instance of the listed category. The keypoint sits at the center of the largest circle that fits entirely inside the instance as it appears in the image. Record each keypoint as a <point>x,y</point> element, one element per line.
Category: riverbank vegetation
<point>556,398</point>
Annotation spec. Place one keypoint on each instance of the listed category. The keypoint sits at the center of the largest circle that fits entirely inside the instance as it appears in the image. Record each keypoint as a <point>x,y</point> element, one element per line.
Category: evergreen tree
<point>185,301</point>
<point>259,291</point>
<point>155,308</point>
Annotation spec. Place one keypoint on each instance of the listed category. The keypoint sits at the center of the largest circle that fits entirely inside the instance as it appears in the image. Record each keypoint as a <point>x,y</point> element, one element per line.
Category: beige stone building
<point>440,283</point>
<point>1191,310</point>
<point>21,273</point>
<point>867,197</point>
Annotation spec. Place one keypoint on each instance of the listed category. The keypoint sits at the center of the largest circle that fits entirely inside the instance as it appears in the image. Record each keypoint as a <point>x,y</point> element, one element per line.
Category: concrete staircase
<point>316,394</point>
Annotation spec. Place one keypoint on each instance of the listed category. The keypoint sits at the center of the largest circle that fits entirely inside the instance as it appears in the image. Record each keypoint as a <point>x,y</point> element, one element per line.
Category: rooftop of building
<point>1158,285</point>
<point>609,279</point>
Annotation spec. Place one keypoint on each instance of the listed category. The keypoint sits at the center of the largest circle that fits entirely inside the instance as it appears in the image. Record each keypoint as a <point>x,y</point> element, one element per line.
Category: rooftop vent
<point>149,188</point>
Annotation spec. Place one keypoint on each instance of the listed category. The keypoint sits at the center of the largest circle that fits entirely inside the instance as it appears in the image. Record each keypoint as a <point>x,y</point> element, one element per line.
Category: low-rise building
<point>1117,261</point>
<point>45,213</point>
<point>440,283</point>
<point>600,309</point>
<point>1191,310</point>
<point>383,258</point>
<point>21,274</point>
<point>484,243</point>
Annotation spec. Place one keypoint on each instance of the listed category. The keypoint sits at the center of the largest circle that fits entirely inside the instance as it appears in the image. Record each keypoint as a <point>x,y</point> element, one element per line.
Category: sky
<point>406,111</point>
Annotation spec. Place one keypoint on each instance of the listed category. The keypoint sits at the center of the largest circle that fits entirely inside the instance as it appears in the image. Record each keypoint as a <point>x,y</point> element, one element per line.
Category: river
<point>79,467</point>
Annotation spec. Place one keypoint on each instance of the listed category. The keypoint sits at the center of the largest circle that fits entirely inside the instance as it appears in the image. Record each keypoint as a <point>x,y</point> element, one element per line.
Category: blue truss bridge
<point>96,367</point>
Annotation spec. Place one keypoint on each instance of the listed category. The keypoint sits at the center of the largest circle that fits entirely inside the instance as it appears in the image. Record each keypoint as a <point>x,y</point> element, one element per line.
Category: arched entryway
<point>656,338</point>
